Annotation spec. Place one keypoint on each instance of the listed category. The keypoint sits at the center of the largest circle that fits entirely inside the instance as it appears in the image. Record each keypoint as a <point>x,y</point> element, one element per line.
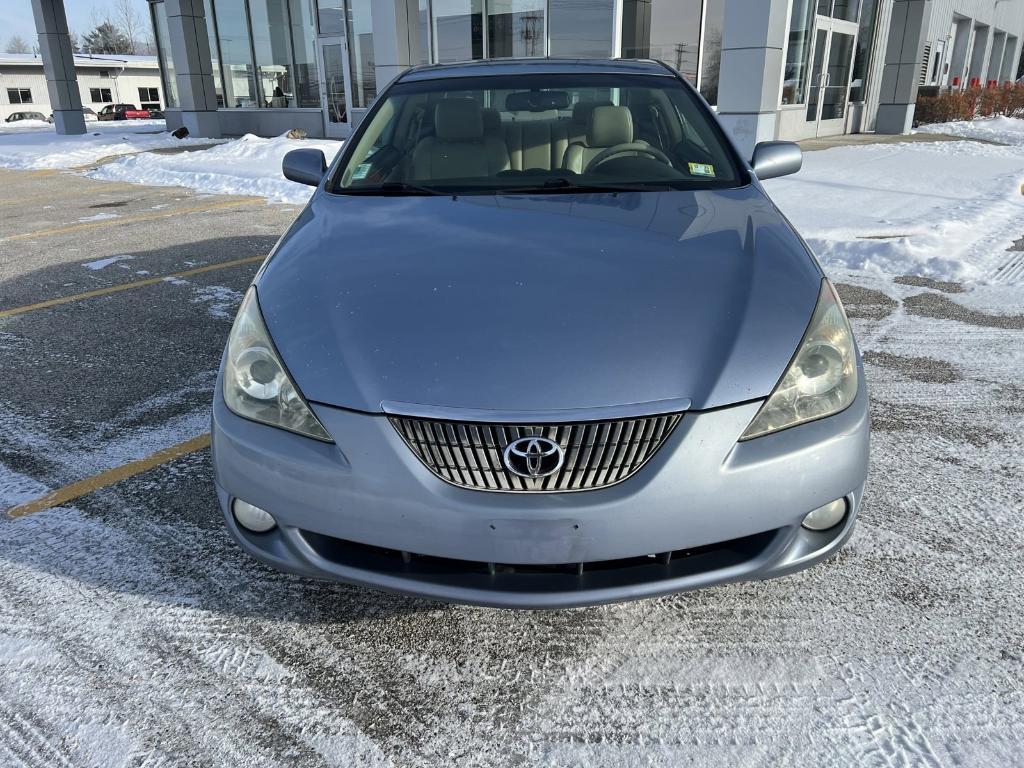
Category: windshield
<point>538,133</point>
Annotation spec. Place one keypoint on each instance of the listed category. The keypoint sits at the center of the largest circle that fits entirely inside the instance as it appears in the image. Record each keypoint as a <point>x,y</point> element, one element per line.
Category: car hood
<point>530,304</point>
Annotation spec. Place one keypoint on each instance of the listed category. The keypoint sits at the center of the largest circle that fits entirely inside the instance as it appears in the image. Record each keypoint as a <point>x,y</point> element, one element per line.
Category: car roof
<point>536,66</point>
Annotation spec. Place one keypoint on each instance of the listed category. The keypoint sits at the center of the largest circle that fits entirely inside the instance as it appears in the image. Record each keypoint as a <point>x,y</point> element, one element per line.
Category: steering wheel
<point>632,148</point>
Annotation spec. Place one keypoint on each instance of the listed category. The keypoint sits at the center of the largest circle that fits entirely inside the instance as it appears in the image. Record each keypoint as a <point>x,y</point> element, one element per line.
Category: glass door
<point>831,67</point>
<point>335,85</point>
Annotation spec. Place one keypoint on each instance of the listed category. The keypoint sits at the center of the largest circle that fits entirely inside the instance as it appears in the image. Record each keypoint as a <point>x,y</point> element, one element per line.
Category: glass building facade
<point>325,56</point>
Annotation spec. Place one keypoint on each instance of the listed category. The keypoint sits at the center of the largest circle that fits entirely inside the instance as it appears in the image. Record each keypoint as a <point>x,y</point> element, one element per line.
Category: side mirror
<point>776,158</point>
<point>306,166</point>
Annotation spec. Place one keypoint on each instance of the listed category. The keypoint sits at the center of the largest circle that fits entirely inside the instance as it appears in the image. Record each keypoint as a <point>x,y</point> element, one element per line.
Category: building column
<point>59,66</point>
<point>908,30</point>
<point>1008,70</point>
<point>979,56</point>
<point>396,38</point>
<point>750,79</point>
<point>193,67</point>
<point>958,58</point>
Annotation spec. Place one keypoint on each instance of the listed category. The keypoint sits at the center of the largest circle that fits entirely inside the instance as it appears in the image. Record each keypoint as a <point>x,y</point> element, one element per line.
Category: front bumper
<point>704,510</point>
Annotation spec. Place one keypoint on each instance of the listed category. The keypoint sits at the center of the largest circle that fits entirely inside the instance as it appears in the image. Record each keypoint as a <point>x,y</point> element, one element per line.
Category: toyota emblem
<point>533,457</point>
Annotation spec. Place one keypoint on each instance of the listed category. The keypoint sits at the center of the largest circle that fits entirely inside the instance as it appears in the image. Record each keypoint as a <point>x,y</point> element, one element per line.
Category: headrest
<point>582,110</point>
<point>492,120</point>
<point>610,126</point>
<point>458,120</point>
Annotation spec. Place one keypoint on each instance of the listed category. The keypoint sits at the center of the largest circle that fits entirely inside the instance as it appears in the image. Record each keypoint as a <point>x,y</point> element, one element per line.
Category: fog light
<point>253,518</point>
<point>826,517</point>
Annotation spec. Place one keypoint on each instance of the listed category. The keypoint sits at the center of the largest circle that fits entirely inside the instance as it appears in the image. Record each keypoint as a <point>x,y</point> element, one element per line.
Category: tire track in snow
<point>264,716</point>
<point>26,742</point>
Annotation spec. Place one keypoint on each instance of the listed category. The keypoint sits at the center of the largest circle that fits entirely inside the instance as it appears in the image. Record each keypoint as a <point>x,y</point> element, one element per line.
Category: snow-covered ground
<point>946,210</point>
<point>1004,130</point>
<point>134,632</point>
<point>27,147</point>
<point>24,125</point>
<point>246,166</point>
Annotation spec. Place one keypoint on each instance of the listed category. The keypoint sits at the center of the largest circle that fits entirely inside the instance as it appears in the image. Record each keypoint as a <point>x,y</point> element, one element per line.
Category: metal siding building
<point>974,38</point>
<point>102,80</point>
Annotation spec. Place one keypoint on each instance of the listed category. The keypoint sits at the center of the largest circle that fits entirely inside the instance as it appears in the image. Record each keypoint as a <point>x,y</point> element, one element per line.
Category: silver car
<point>540,339</point>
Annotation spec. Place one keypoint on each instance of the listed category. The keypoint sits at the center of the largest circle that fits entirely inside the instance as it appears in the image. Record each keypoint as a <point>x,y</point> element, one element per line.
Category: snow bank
<point>1004,130</point>
<point>43,148</point>
<point>23,125</point>
<point>246,166</point>
<point>946,210</point>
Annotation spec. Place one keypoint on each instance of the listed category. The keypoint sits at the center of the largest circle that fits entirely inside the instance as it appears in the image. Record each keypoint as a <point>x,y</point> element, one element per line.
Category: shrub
<point>968,104</point>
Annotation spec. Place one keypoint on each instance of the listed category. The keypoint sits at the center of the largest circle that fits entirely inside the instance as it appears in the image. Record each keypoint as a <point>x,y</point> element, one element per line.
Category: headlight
<point>821,380</point>
<point>256,384</point>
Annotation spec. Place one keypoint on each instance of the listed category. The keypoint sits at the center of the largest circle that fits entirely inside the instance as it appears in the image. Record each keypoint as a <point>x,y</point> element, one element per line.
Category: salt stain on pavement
<point>222,302</point>
<point>100,217</point>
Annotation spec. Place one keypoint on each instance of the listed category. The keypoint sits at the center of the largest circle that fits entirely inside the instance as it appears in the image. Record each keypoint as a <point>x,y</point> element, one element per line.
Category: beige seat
<point>609,127</point>
<point>459,148</point>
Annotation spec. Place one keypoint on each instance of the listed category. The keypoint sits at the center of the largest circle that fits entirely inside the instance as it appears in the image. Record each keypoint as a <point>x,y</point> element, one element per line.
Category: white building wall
<point>123,83</point>
<point>1006,16</point>
<point>23,77</point>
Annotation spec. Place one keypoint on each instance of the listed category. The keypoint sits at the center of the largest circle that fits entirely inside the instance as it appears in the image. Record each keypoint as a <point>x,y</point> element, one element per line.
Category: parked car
<point>17,117</point>
<point>87,113</point>
<point>540,339</point>
<point>156,114</point>
<point>122,112</point>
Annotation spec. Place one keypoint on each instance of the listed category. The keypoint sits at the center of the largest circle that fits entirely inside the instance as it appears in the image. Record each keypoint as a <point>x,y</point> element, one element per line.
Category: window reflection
<point>307,91</point>
<point>273,50</point>
<point>515,28</point>
<point>211,27</point>
<point>581,28</point>
<point>334,78</point>
<point>360,52</point>
<point>236,53</point>
<point>163,46</point>
<point>458,30</point>
<point>711,54</point>
<point>667,30</point>
<point>865,45</point>
<point>798,52</point>
<point>330,17</point>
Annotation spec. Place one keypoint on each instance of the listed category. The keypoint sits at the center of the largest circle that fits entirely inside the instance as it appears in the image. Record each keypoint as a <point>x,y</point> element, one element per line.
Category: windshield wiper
<point>393,188</point>
<point>562,184</point>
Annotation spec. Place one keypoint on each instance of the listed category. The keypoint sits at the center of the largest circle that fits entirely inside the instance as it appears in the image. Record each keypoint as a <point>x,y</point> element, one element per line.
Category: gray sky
<point>16,17</point>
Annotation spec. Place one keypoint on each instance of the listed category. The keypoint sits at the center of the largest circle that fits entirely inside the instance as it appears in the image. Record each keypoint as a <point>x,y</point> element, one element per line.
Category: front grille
<point>597,454</point>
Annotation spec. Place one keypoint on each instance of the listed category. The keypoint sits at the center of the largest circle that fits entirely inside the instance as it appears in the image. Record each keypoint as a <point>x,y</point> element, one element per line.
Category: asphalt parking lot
<point>133,632</point>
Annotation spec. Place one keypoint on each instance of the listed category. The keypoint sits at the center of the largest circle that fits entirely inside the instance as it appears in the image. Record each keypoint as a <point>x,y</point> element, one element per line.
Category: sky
<point>16,17</point>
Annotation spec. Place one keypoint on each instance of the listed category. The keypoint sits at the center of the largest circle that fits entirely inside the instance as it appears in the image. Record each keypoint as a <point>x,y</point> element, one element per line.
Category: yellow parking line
<point>127,220</point>
<point>112,186</point>
<point>104,479</point>
<point>127,286</point>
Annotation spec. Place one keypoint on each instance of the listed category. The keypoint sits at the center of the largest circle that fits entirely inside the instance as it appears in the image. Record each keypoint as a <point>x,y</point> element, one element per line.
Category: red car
<point>122,112</point>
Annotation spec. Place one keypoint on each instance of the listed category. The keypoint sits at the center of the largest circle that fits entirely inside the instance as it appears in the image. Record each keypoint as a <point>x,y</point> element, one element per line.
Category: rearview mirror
<point>306,166</point>
<point>776,158</point>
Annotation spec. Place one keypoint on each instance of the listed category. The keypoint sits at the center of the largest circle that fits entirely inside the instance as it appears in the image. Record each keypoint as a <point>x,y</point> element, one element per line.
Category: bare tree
<point>129,21</point>
<point>17,44</point>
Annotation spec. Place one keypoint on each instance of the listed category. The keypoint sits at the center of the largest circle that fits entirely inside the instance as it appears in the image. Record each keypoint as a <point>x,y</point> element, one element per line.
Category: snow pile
<point>39,149</point>
<point>246,166</point>
<point>1003,130</point>
<point>23,124</point>
<point>946,210</point>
